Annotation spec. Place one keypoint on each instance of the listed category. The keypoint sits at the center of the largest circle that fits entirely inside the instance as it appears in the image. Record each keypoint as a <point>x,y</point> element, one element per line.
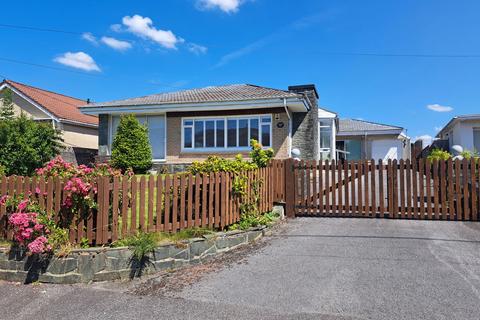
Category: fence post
<point>289,188</point>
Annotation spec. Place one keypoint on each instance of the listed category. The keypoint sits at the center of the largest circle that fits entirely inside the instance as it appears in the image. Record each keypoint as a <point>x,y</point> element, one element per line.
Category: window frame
<point>110,131</point>
<point>322,150</point>
<point>225,119</point>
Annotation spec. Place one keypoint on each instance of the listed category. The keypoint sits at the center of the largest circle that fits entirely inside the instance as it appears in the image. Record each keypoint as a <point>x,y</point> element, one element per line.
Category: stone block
<point>163,264</point>
<point>89,264</point>
<point>106,276</point>
<point>200,248</point>
<point>231,241</point>
<point>61,265</point>
<point>253,235</point>
<point>123,253</point>
<point>60,279</point>
<point>13,275</point>
<point>114,264</point>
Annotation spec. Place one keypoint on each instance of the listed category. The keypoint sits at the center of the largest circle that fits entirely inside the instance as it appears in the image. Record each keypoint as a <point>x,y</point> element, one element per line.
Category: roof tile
<point>354,125</point>
<point>235,92</point>
<point>61,106</point>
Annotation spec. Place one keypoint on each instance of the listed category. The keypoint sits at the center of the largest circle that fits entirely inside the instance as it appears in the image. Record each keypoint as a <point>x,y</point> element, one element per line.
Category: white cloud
<point>89,37</point>
<point>116,44</point>
<point>437,129</point>
<point>78,60</point>
<point>426,139</point>
<point>197,49</point>
<point>116,27</point>
<point>439,108</point>
<point>228,6</point>
<point>143,27</point>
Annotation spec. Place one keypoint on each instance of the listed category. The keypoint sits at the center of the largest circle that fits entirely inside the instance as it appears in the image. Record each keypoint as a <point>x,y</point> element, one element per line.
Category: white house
<point>462,130</point>
<point>359,139</point>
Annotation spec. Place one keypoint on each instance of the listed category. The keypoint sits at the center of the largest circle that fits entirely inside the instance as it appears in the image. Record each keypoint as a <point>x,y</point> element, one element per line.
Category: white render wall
<point>462,133</point>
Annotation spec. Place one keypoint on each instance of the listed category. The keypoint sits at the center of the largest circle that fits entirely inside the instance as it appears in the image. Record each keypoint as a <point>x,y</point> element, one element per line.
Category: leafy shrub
<point>467,154</point>
<point>26,145</point>
<point>218,164</point>
<point>261,157</point>
<point>131,147</point>
<point>250,220</point>
<point>439,154</point>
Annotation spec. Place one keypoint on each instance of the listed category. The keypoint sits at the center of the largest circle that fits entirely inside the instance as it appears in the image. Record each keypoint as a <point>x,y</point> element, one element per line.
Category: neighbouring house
<point>79,131</point>
<point>461,130</point>
<point>359,139</point>
<point>190,125</point>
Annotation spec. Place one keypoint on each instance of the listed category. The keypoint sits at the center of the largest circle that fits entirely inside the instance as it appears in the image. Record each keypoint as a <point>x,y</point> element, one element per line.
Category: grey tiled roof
<point>353,125</point>
<point>234,92</point>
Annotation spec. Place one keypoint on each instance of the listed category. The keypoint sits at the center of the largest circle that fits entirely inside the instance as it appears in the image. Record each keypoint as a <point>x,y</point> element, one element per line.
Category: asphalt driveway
<point>316,268</point>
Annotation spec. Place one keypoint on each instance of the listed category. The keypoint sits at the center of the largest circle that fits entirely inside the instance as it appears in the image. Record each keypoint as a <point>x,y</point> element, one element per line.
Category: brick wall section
<point>305,130</point>
<point>174,154</point>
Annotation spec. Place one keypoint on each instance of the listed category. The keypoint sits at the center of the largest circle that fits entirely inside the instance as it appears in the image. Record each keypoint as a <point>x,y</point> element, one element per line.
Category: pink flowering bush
<point>41,233</point>
<point>28,224</point>
<point>80,187</point>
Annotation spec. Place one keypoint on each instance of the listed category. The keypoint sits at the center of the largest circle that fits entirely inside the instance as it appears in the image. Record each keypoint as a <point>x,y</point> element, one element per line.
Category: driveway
<point>314,268</point>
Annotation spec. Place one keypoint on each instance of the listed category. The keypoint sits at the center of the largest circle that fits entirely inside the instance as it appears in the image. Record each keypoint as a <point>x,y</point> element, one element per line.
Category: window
<point>325,131</point>
<point>226,132</point>
<point>476,139</point>
<point>156,132</point>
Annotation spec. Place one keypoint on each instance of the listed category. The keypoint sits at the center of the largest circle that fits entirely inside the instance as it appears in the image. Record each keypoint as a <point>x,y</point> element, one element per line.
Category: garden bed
<point>105,263</point>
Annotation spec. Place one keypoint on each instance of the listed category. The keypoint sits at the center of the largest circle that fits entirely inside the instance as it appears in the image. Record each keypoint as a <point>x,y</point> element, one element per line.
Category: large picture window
<point>156,132</point>
<point>225,132</point>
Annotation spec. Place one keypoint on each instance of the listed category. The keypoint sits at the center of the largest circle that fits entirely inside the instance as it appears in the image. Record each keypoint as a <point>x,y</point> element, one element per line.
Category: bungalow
<point>359,139</point>
<point>462,130</point>
<point>190,125</point>
<point>79,131</point>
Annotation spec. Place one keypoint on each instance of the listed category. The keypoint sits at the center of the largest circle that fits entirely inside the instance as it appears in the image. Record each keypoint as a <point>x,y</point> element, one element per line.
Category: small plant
<point>248,221</point>
<point>131,146</point>
<point>467,154</point>
<point>84,243</point>
<point>195,232</point>
<point>142,244</point>
<point>439,154</point>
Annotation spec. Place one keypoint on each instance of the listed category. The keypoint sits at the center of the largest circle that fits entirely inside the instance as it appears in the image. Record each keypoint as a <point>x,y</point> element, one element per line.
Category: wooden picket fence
<point>438,190</point>
<point>167,203</point>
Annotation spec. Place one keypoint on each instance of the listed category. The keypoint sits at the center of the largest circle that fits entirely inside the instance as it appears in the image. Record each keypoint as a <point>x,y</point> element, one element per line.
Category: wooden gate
<point>438,190</point>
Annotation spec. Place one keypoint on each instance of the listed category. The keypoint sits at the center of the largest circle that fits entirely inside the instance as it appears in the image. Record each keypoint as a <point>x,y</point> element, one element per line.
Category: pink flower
<point>22,205</point>
<point>37,245</point>
<point>3,200</point>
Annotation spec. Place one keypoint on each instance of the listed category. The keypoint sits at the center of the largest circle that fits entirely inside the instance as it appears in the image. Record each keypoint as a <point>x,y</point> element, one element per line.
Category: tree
<point>6,110</point>
<point>131,148</point>
<point>26,145</point>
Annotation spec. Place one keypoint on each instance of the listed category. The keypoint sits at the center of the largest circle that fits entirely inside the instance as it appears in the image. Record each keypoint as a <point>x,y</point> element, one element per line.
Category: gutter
<point>93,110</point>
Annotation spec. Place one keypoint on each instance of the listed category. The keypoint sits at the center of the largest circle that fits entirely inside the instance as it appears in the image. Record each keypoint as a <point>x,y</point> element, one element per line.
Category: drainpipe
<point>289,128</point>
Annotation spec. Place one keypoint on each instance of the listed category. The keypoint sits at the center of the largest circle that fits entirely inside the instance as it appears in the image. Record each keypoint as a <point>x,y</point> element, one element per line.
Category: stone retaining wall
<point>101,264</point>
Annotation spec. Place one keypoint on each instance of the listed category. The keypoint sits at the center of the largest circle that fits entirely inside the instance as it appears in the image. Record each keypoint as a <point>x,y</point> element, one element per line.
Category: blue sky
<point>118,49</point>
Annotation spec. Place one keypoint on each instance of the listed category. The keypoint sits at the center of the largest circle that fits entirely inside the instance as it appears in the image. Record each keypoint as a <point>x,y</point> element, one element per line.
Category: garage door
<point>386,149</point>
